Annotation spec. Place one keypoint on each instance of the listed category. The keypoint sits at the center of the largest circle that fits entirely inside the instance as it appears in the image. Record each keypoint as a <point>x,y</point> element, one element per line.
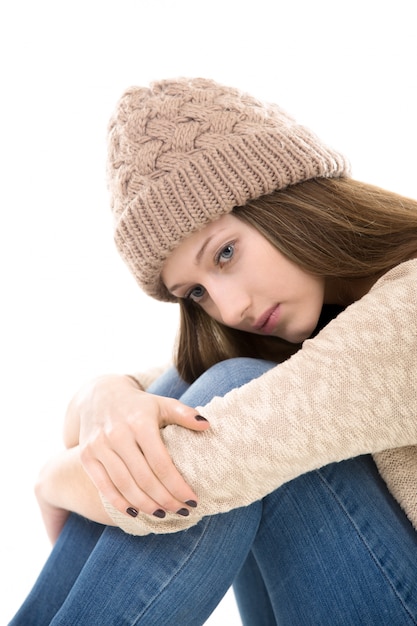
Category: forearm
<point>71,429</point>
<point>63,484</point>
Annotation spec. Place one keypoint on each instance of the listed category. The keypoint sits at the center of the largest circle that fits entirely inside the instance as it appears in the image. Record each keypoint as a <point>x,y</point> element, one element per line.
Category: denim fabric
<point>329,548</point>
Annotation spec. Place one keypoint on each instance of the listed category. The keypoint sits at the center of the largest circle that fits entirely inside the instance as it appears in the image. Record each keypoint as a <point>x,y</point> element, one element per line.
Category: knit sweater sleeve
<point>349,391</point>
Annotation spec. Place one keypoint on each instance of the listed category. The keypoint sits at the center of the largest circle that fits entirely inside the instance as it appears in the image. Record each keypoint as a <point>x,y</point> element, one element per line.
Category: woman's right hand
<point>117,426</point>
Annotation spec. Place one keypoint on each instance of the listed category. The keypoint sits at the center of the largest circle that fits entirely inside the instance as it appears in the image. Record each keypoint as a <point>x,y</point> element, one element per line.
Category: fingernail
<point>183,512</point>
<point>132,512</point>
<point>192,503</point>
<point>159,513</point>
<point>200,418</point>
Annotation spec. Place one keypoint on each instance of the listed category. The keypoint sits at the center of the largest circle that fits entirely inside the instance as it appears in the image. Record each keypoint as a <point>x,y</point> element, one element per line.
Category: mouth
<point>268,320</point>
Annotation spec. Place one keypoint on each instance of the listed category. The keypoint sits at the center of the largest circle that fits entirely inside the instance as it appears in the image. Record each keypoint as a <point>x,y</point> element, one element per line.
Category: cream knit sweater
<point>351,390</point>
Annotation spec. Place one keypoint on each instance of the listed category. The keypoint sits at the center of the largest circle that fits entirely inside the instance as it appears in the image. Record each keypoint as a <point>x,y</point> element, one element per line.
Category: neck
<point>343,291</point>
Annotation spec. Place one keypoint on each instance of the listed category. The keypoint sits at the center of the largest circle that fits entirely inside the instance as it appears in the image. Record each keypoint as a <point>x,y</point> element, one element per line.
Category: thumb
<point>175,412</point>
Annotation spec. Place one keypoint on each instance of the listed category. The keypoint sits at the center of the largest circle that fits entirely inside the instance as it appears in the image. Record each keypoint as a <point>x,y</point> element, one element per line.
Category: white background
<point>69,307</point>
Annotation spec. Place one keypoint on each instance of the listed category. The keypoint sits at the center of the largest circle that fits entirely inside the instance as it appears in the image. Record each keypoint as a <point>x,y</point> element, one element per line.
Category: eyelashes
<point>225,253</point>
<point>195,294</point>
<point>222,257</point>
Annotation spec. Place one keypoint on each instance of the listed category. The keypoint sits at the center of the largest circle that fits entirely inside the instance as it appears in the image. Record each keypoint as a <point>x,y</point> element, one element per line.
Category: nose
<point>232,304</point>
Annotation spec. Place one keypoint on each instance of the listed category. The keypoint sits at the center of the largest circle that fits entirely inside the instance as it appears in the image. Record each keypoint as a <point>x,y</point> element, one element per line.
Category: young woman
<point>283,442</point>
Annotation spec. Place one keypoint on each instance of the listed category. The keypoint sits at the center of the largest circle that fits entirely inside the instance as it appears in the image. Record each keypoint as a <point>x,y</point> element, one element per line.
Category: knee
<point>169,384</point>
<point>228,375</point>
<point>237,369</point>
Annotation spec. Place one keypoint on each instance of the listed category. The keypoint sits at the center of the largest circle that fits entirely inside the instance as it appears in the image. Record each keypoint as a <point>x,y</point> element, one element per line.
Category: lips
<point>268,320</point>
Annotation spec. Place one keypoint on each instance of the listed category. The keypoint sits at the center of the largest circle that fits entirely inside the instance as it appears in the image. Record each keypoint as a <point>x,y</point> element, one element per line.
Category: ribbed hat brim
<point>210,184</point>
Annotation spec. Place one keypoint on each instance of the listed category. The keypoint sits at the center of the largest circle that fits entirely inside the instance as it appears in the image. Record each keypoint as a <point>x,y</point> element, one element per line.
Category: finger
<point>131,505</point>
<point>129,483</point>
<point>106,487</point>
<point>164,469</point>
<point>140,484</point>
<point>153,471</point>
<point>175,412</point>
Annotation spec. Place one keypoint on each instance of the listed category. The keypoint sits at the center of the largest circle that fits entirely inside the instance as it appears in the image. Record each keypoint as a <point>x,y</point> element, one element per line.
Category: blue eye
<point>226,253</point>
<point>196,293</point>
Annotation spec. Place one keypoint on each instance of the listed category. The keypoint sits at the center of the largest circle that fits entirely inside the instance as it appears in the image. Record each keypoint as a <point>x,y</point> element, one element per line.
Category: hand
<point>121,447</point>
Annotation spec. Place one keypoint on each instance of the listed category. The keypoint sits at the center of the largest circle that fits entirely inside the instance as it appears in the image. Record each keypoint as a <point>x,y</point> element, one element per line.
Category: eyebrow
<point>197,260</point>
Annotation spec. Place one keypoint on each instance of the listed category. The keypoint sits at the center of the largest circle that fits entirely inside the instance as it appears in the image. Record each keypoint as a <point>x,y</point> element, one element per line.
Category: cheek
<point>317,286</point>
<point>210,309</point>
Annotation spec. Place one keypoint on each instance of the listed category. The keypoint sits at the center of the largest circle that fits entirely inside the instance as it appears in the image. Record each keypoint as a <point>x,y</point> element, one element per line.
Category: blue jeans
<point>329,548</point>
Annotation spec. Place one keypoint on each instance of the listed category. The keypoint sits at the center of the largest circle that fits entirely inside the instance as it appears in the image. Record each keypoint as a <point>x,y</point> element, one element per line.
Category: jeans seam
<point>365,543</point>
<point>175,574</point>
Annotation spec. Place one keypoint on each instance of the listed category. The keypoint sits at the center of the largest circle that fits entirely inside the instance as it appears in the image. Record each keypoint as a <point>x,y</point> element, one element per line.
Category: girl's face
<point>241,280</point>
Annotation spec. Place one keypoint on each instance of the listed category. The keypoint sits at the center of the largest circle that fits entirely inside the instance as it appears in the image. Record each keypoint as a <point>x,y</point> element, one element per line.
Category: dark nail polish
<point>183,512</point>
<point>192,503</point>
<point>159,513</point>
<point>132,512</point>
<point>200,418</point>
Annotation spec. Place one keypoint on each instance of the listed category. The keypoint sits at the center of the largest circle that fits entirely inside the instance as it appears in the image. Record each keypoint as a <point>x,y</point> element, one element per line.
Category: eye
<point>196,293</point>
<point>226,253</point>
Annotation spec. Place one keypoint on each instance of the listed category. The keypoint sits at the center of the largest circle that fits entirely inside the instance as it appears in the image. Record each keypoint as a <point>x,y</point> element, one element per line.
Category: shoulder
<point>402,275</point>
<point>386,315</point>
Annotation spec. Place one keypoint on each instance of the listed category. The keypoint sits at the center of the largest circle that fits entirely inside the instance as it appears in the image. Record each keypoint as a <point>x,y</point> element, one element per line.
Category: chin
<point>298,336</point>
<point>298,339</point>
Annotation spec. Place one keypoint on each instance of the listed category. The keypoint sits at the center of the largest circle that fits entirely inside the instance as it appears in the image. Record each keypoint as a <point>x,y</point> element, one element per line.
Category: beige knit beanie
<point>184,152</point>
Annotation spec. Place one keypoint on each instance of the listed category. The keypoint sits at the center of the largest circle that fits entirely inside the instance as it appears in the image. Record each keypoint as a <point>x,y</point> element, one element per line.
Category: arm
<point>64,486</point>
<point>349,391</point>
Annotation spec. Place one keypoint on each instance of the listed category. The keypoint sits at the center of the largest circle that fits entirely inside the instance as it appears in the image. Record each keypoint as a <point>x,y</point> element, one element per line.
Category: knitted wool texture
<point>184,152</point>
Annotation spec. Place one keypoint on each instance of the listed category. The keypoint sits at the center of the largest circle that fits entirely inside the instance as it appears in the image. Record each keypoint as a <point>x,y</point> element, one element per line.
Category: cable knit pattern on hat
<point>184,152</point>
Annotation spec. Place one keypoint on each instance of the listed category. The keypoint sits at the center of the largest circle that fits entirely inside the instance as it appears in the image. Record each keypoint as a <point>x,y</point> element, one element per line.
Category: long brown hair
<point>333,228</point>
